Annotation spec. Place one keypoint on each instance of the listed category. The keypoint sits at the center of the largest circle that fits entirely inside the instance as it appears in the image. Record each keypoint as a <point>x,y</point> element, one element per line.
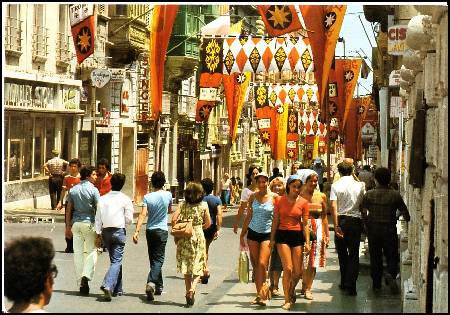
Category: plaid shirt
<point>382,203</point>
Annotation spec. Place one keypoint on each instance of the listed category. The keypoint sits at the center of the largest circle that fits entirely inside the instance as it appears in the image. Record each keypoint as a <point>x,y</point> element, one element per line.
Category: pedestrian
<point>242,211</point>
<point>29,273</point>
<point>290,235</point>
<point>191,252</point>
<point>115,210</point>
<point>239,189</point>
<point>367,177</point>
<point>275,173</point>
<point>215,213</point>
<point>319,168</point>
<point>158,205</point>
<point>103,182</point>
<point>256,227</point>
<point>69,181</point>
<point>350,161</point>
<point>82,200</point>
<point>382,202</point>
<point>226,189</point>
<point>55,167</point>
<point>346,195</point>
<point>277,185</point>
<point>318,224</point>
<point>233,190</point>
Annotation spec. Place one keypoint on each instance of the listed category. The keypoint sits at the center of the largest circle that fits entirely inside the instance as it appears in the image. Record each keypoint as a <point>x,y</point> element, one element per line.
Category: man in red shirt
<point>103,182</point>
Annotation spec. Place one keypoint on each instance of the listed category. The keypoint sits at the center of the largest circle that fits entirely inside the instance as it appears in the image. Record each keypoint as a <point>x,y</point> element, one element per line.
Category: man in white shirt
<point>114,210</point>
<point>346,196</point>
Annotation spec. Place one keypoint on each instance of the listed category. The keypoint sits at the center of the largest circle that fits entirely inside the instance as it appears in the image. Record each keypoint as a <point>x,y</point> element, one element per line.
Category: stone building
<point>419,155</point>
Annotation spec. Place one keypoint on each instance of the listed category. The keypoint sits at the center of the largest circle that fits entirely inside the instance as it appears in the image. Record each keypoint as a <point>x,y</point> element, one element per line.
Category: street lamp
<point>342,40</point>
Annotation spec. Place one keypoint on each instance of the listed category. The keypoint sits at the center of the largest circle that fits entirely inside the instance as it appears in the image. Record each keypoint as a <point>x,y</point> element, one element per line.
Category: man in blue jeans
<point>158,204</point>
<point>115,209</point>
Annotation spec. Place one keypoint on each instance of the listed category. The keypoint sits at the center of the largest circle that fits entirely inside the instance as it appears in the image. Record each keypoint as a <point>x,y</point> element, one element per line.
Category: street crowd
<point>283,226</point>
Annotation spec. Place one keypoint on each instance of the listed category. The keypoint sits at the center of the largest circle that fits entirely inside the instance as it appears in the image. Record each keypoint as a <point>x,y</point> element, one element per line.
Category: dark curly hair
<point>75,161</point>
<point>194,193</point>
<point>249,174</point>
<point>158,179</point>
<point>28,263</point>
<point>208,185</point>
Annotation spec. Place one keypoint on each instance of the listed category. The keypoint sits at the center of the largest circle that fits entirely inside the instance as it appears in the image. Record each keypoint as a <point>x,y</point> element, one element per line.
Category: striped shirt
<point>262,216</point>
<point>56,165</point>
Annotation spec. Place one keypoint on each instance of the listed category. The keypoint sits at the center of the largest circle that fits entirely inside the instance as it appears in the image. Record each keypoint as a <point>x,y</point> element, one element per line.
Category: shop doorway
<point>104,141</point>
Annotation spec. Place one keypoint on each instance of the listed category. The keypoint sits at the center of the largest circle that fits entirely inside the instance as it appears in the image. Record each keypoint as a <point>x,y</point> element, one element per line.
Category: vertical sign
<point>143,88</point>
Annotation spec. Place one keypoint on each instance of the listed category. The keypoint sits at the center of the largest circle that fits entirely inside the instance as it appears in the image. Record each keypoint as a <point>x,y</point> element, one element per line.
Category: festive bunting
<point>264,54</point>
<point>309,124</point>
<point>324,23</point>
<point>279,150</point>
<point>161,27</point>
<point>235,87</point>
<point>279,19</point>
<point>83,30</point>
<point>306,94</point>
<point>351,69</point>
<point>292,135</point>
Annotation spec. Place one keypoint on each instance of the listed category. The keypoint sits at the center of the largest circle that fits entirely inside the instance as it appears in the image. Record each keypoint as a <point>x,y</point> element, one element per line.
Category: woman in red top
<point>289,220</point>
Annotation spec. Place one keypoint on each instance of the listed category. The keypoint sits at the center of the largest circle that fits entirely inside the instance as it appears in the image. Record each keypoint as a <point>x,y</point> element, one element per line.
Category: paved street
<point>222,294</point>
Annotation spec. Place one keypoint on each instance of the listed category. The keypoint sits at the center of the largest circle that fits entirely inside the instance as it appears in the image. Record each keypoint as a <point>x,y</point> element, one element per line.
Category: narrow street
<point>222,294</point>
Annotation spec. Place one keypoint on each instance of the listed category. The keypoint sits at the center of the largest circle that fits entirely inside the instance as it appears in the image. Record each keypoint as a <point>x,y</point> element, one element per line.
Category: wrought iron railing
<point>40,41</point>
<point>13,34</point>
<point>63,53</point>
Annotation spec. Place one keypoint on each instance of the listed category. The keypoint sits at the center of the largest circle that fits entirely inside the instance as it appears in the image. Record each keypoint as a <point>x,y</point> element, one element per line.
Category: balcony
<point>40,43</point>
<point>187,107</point>
<point>13,36</point>
<point>63,53</point>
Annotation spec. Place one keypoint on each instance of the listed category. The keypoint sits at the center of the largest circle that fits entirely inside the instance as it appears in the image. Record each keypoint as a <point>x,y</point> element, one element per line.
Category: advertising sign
<point>79,12</point>
<point>100,77</point>
<point>397,40</point>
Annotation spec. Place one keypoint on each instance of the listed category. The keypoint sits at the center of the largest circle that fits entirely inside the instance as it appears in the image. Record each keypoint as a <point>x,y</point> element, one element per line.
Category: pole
<point>327,120</point>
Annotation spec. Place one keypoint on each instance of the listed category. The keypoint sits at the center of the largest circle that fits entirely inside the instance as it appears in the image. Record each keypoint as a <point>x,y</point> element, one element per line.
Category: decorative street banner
<point>279,19</point>
<point>235,87</point>
<point>289,94</point>
<point>161,28</point>
<point>309,124</point>
<point>351,68</point>
<point>351,131</point>
<point>279,149</point>
<point>336,90</point>
<point>264,54</point>
<point>324,24</point>
<point>292,135</point>
<point>82,21</point>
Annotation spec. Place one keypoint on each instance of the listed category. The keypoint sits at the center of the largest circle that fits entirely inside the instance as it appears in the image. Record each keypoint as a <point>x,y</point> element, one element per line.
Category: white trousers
<point>84,250</point>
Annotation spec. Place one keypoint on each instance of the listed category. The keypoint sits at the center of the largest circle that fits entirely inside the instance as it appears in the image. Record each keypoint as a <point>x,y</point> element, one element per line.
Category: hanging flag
<point>265,116</point>
<point>351,68</point>
<point>161,28</point>
<point>292,135</point>
<point>324,23</point>
<point>309,124</point>
<point>309,147</point>
<point>364,70</point>
<point>279,19</point>
<point>351,130</point>
<point>82,22</point>
<point>281,126</point>
<point>257,54</point>
<point>279,94</point>
<point>336,90</point>
<point>235,88</point>
<point>210,77</point>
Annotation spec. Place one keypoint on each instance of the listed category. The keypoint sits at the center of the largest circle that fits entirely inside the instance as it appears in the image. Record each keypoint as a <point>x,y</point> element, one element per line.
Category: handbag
<point>243,268</point>
<point>182,228</point>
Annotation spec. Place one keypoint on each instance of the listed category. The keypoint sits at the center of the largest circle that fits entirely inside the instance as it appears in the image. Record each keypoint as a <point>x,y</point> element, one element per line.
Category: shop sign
<point>79,12</point>
<point>397,40</point>
<point>143,88</point>
<point>394,78</point>
<point>208,94</point>
<point>100,77</point>
<point>28,96</point>
<point>372,151</point>
<point>291,144</point>
<point>117,74</point>
<point>124,99</point>
<point>104,121</point>
<point>71,98</point>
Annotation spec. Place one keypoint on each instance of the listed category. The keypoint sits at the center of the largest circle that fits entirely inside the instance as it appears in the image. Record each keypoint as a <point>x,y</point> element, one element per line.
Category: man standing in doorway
<point>103,182</point>
<point>55,168</point>
<point>346,196</point>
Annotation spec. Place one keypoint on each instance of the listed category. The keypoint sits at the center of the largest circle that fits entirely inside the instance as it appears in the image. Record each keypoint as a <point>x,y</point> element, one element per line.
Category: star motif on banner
<point>361,109</point>
<point>279,16</point>
<point>291,154</point>
<point>332,108</point>
<point>348,75</point>
<point>265,135</point>
<point>204,111</point>
<point>329,20</point>
<point>84,39</point>
<point>241,78</point>
<point>280,109</point>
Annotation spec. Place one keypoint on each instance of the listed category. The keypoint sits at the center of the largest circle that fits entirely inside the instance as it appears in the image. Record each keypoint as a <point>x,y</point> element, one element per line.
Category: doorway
<point>104,141</point>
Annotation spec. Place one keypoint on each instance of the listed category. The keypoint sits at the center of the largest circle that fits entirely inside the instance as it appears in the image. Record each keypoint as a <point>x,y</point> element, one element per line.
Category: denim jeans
<point>84,250</point>
<point>114,241</point>
<point>225,197</point>
<point>347,248</point>
<point>156,246</point>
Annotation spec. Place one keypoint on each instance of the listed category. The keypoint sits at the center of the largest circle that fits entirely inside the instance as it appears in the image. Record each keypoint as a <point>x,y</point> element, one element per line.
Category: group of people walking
<point>285,223</point>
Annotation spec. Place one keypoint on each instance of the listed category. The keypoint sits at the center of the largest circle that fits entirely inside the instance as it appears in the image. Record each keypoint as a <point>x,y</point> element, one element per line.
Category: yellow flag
<point>316,147</point>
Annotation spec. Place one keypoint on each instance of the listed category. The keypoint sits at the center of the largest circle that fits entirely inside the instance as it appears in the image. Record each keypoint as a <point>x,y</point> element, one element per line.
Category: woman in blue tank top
<point>257,225</point>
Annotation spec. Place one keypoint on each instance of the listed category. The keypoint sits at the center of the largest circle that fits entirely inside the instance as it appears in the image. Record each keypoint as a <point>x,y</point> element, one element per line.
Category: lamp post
<point>342,40</point>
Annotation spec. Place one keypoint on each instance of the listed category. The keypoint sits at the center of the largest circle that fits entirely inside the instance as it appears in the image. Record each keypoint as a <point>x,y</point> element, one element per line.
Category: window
<point>5,147</point>
<point>49,137</point>
<point>16,135</point>
<point>116,90</point>
<point>39,134</point>
<point>27,147</point>
<point>121,9</point>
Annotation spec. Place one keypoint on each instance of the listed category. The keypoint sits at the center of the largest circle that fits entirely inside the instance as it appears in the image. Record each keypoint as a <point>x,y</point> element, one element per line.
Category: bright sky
<point>356,40</point>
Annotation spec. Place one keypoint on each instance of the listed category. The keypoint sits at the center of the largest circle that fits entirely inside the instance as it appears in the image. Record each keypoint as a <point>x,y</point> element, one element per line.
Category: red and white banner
<point>82,21</point>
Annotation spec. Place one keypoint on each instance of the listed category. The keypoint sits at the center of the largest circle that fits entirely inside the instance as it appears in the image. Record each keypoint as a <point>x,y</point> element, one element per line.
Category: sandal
<point>308,295</point>
<point>256,300</point>
<point>275,292</point>
<point>204,279</point>
<point>287,306</point>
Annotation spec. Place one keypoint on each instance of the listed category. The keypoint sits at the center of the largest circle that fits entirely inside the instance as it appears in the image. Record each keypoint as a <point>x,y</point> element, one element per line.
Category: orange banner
<point>83,35</point>
<point>324,23</point>
<point>161,29</point>
<point>351,68</point>
<point>235,88</point>
<point>279,150</point>
<point>351,130</point>
<point>336,88</point>
<point>279,19</point>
